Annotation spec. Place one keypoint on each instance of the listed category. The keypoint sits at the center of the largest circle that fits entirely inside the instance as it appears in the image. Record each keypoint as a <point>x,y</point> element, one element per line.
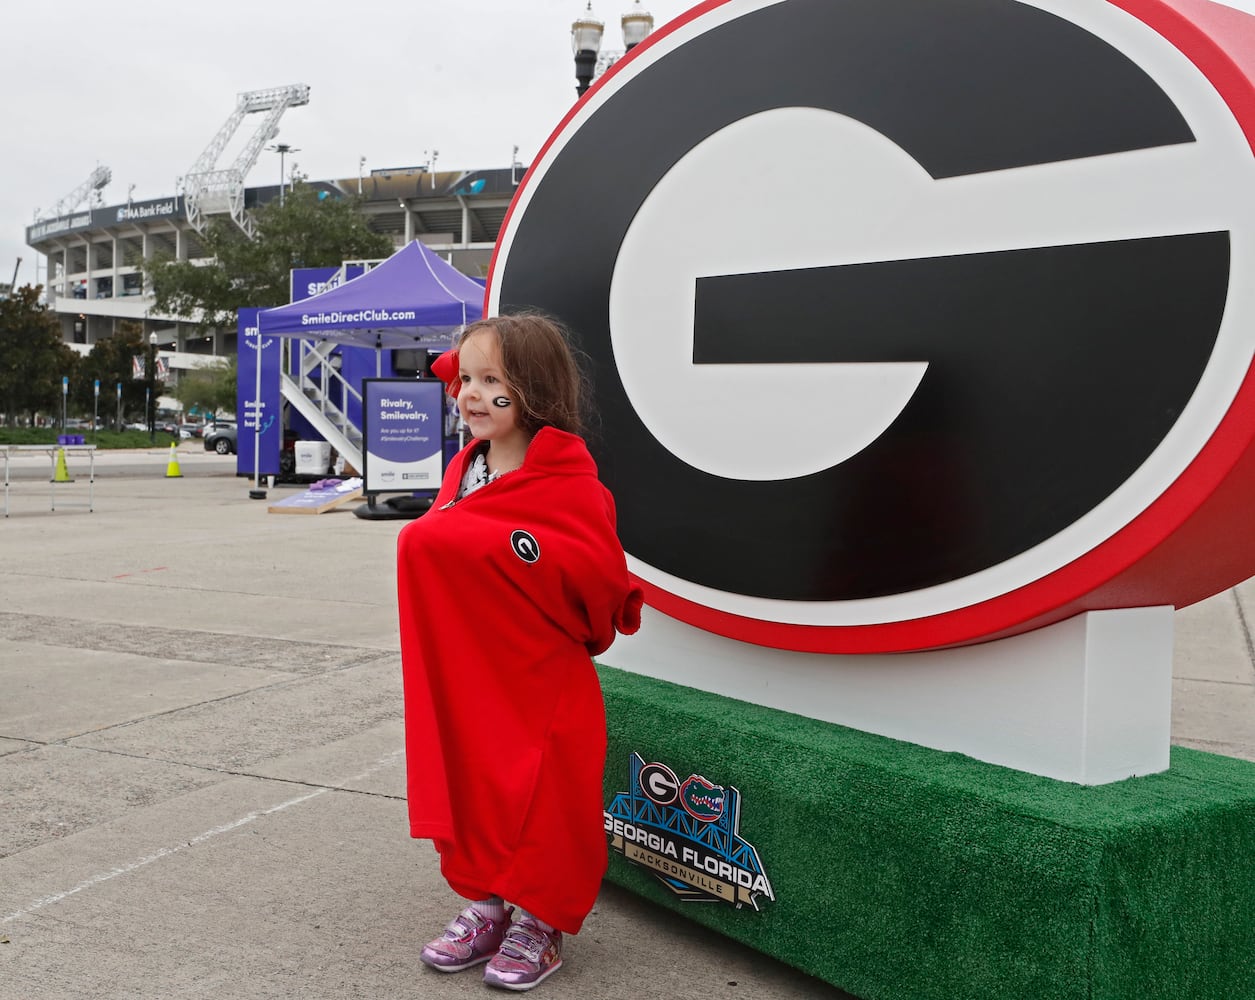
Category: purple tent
<point>413,299</point>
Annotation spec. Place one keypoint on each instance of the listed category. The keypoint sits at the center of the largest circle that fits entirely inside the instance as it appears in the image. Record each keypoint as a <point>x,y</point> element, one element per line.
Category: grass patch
<point>103,439</point>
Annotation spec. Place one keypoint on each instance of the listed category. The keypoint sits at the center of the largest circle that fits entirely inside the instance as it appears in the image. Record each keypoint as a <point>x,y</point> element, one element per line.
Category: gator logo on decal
<point>701,799</point>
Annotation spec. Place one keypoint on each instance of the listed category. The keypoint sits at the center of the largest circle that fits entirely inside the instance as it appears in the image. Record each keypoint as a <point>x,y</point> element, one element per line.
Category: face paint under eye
<point>501,401</point>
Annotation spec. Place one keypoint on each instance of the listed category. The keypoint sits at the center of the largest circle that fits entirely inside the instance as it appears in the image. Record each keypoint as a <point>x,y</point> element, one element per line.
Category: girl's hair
<point>541,368</point>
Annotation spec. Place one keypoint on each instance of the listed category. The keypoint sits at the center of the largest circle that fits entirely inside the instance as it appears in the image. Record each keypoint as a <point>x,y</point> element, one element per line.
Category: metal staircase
<point>310,382</point>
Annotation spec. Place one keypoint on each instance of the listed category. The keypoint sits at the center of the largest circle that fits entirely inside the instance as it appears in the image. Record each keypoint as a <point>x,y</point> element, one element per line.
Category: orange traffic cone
<point>172,467</point>
<point>61,474</point>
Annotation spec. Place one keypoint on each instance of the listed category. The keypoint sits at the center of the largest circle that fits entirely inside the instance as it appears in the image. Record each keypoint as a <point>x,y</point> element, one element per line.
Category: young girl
<point>506,586</point>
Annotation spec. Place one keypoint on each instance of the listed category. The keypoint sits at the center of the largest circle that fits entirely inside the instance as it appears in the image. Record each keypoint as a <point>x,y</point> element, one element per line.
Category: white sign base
<point>1088,700</point>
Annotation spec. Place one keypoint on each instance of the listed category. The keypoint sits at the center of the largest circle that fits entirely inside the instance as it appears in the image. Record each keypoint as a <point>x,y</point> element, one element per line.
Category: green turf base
<point>903,873</point>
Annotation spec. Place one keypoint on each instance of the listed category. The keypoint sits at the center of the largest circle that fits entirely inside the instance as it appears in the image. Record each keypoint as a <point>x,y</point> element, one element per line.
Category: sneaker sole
<point>520,987</point>
<point>456,968</point>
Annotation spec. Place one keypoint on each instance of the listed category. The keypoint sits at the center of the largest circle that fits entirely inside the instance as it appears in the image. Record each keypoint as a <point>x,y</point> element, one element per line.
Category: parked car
<point>222,439</point>
<point>209,428</point>
<point>160,427</point>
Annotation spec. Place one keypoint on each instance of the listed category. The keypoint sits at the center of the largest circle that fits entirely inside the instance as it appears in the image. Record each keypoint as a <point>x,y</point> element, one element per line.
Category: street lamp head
<point>152,340</point>
<point>586,32</point>
<point>637,24</point>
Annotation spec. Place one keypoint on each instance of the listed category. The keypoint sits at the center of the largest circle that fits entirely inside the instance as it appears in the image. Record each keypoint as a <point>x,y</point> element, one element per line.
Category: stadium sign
<point>139,211</point>
<point>59,226</point>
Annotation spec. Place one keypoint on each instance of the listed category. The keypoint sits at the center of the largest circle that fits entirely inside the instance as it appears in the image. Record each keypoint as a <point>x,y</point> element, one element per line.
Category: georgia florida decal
<point>688,834</point>
<point>913,324</point>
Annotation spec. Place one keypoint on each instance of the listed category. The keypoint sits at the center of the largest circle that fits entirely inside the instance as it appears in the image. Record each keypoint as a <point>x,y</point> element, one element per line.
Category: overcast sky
<point>142,87</point>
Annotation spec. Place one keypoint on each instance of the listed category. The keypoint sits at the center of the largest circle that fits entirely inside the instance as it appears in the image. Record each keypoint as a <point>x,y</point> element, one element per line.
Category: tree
<point>33,359</point>
<point>112,360</point>
<point>209,389</point>
<point>309,229</point>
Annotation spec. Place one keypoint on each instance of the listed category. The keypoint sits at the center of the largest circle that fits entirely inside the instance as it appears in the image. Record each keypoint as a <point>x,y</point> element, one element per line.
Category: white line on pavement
<point>165,852</point>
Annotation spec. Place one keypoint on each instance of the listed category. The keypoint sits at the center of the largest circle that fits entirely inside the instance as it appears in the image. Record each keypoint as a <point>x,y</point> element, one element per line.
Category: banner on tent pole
<point>403,435</point>
<point>257,410</point>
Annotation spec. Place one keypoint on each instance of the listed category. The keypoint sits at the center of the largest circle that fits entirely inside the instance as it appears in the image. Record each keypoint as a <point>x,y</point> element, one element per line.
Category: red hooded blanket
<point>503,596</point>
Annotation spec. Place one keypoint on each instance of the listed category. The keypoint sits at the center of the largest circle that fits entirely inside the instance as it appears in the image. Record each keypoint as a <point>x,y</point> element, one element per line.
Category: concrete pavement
<point>201,777</point>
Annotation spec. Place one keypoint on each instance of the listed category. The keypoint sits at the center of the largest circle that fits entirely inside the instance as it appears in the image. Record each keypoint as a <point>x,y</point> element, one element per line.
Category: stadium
<point>94,252</point>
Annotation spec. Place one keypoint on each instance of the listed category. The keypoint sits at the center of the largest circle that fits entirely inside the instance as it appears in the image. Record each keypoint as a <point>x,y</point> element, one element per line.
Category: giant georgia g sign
<point>914,323</point>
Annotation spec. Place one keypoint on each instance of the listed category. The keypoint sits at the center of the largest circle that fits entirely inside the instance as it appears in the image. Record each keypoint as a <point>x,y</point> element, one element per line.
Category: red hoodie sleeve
<point>623,613</point>
<point>581,582</point>
<point>627,619</point>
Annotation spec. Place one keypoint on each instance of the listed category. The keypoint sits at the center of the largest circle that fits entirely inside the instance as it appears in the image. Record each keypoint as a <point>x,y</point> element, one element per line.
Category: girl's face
<point>486,400</point>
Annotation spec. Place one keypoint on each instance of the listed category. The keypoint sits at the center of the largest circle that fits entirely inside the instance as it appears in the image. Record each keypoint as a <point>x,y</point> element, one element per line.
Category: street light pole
<point>282,148</point>
<point>586,43</point>
<point>150,391</point>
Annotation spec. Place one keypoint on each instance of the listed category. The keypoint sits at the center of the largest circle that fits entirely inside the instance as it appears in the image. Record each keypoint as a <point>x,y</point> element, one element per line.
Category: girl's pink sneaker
<point>469,939</point>
<point>527,956</point>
